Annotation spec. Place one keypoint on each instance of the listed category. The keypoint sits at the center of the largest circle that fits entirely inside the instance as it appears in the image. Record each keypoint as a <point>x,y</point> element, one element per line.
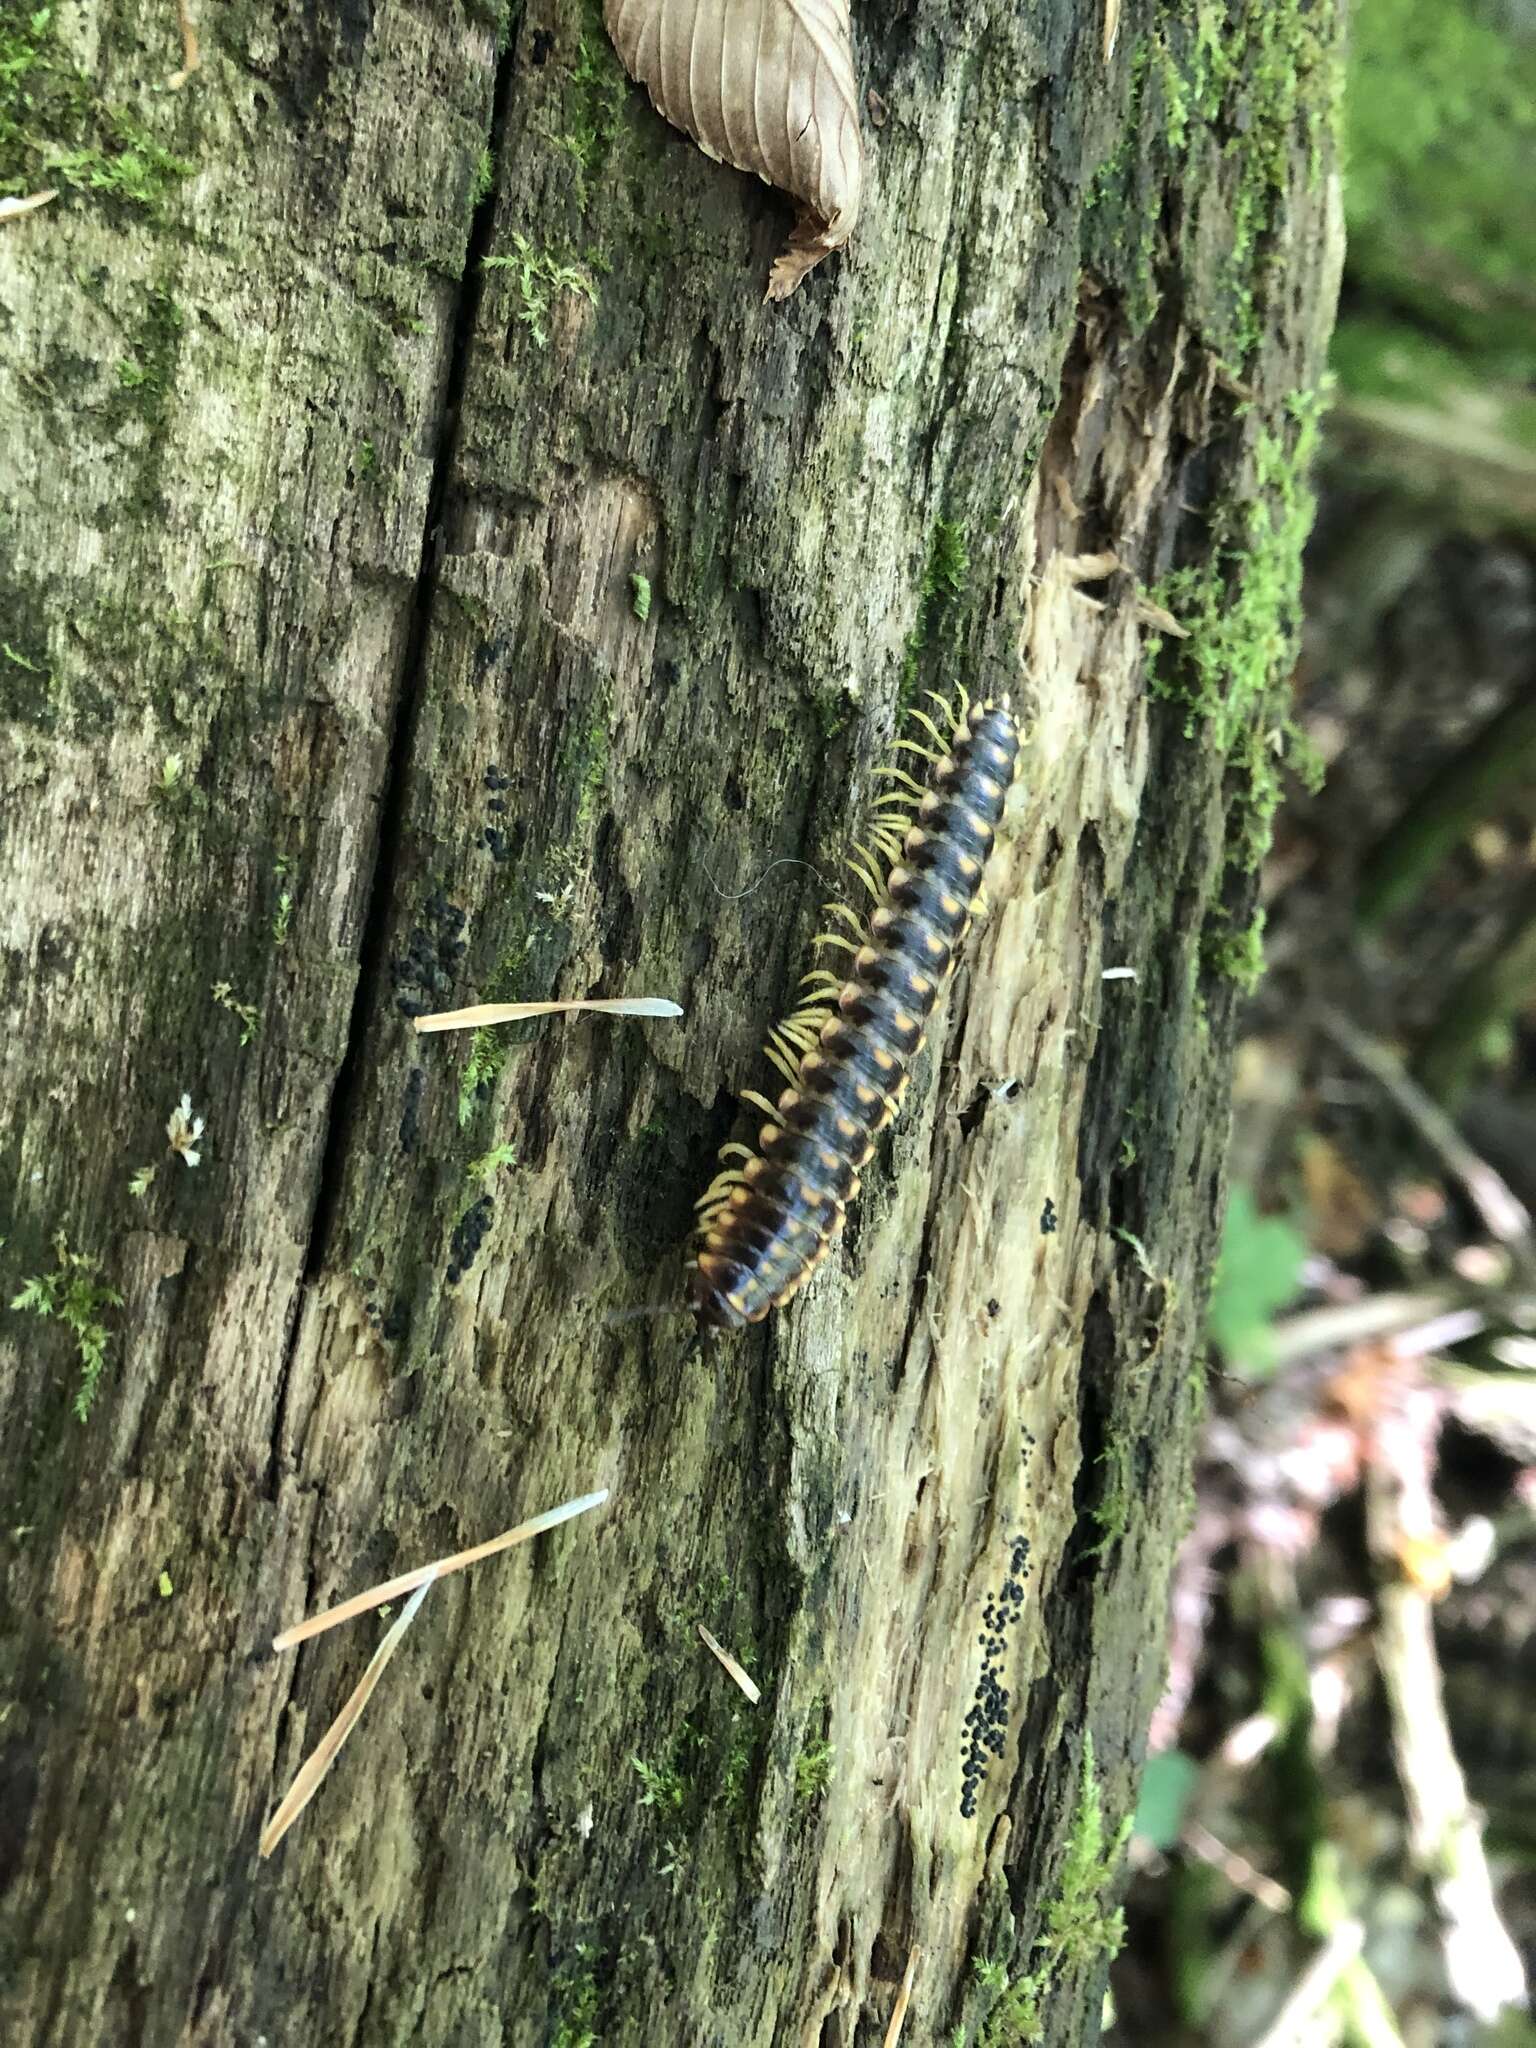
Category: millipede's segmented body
<point>768,1225</point>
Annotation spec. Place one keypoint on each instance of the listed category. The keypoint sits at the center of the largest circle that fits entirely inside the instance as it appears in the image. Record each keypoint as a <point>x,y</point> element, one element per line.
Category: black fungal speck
<point>1048,1218</point>
<point>421,973</point>
<point>468,1236</point>
<point>988,1718</point>
<point>410,1109</point>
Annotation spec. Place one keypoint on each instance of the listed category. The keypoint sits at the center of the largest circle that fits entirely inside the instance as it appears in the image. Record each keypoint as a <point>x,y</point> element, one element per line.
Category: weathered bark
<point>355,547</point>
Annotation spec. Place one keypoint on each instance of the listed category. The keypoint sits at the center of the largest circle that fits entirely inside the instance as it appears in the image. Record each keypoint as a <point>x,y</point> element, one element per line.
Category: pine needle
<point>11,209</point>
<point>407,1582</point>
<point>313,1770</point>
<point>729,1664</point>
<point>480,1014</point>
<point>903,2000</point>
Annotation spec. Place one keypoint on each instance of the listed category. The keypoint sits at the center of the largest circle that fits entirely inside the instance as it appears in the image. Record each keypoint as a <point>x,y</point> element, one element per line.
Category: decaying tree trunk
<point>346,389</point>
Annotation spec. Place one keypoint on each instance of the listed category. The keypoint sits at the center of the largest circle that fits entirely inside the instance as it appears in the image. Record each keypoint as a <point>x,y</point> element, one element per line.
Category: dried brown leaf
<point>764,85</point>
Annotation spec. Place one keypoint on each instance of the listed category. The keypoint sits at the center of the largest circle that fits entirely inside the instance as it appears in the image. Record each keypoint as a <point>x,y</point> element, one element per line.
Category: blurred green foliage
<point>1441,120</point>
<point>1258,1273</point>
<point>1167,1785</point>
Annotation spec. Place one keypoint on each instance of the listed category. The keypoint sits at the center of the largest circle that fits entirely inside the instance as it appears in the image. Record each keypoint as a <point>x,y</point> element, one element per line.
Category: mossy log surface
<point>324,686</point>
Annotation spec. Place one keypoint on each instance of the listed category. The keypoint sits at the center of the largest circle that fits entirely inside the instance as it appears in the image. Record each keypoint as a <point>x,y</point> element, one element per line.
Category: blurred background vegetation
<point>1337,1837</point>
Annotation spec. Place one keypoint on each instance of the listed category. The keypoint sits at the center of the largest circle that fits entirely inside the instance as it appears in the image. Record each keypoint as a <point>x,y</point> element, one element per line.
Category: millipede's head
<point>709,1295</point>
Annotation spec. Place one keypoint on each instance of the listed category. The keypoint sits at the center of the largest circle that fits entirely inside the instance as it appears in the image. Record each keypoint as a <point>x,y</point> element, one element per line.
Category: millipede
<point>768,1218</point>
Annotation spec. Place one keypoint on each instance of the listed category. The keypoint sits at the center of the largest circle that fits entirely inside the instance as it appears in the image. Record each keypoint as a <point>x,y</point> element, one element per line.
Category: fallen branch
<point>1505,1215</point>
<point>1482,1963</point>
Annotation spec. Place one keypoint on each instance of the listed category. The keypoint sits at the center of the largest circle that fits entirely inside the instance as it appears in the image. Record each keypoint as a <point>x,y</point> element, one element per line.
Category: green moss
<point>583,760</point>
<point>148,371</point>
<point>946,574</point>
<point>145,394</point>
<point>74,1294</point>
<point>595,96</point>
<point>367,462</point>
<point>737,1767</point>
<point>813,1771</point>
<point>55,129</point>
<point>1235,955</point>
<point>247,1013</point>
<point>575,1999</point>
<point>1080,1931</point>
<point>665,1786</point>
<point>26,682</point>
<point>484,178</point>
<point>489,1046</point>
<point>1222,104</point>
<point>1111,1513</point>
<point>482,1172</point>
<point>640,596</point>
<point>538,277</point>
<point>1241,610</point>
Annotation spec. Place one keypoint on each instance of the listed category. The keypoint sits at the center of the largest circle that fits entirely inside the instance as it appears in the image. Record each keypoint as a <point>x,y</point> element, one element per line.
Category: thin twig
<point>1501,1209</point>
<point>1314,1984</point>
<point>481,1014</point>
<point>314,1768</point>
<point>1242,1875</point>
<point>407,1582</point>
<point>748,1686</point>
<point>1482,1963</point>
<point>1342,1324</point>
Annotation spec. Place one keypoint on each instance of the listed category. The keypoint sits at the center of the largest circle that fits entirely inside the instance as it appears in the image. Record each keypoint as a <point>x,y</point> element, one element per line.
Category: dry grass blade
<point>765,85</point>
<point>407,1582</point>
<point>315,1766</point>
<point>903,2000</point>
<point>748,1685</point>
<point>1111,27</point>
<point>13,209</point>
<point>191,55</point>
<point>513,1013</point>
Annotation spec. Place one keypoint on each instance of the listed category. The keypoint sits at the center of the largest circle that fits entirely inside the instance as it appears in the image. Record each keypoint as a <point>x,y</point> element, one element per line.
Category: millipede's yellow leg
<point>912,747</point>
<point>900,775</point>
<point>762,1103</point>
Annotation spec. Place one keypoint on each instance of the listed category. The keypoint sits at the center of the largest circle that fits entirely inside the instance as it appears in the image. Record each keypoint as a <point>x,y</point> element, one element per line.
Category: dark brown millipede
<point>769,1217</point>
